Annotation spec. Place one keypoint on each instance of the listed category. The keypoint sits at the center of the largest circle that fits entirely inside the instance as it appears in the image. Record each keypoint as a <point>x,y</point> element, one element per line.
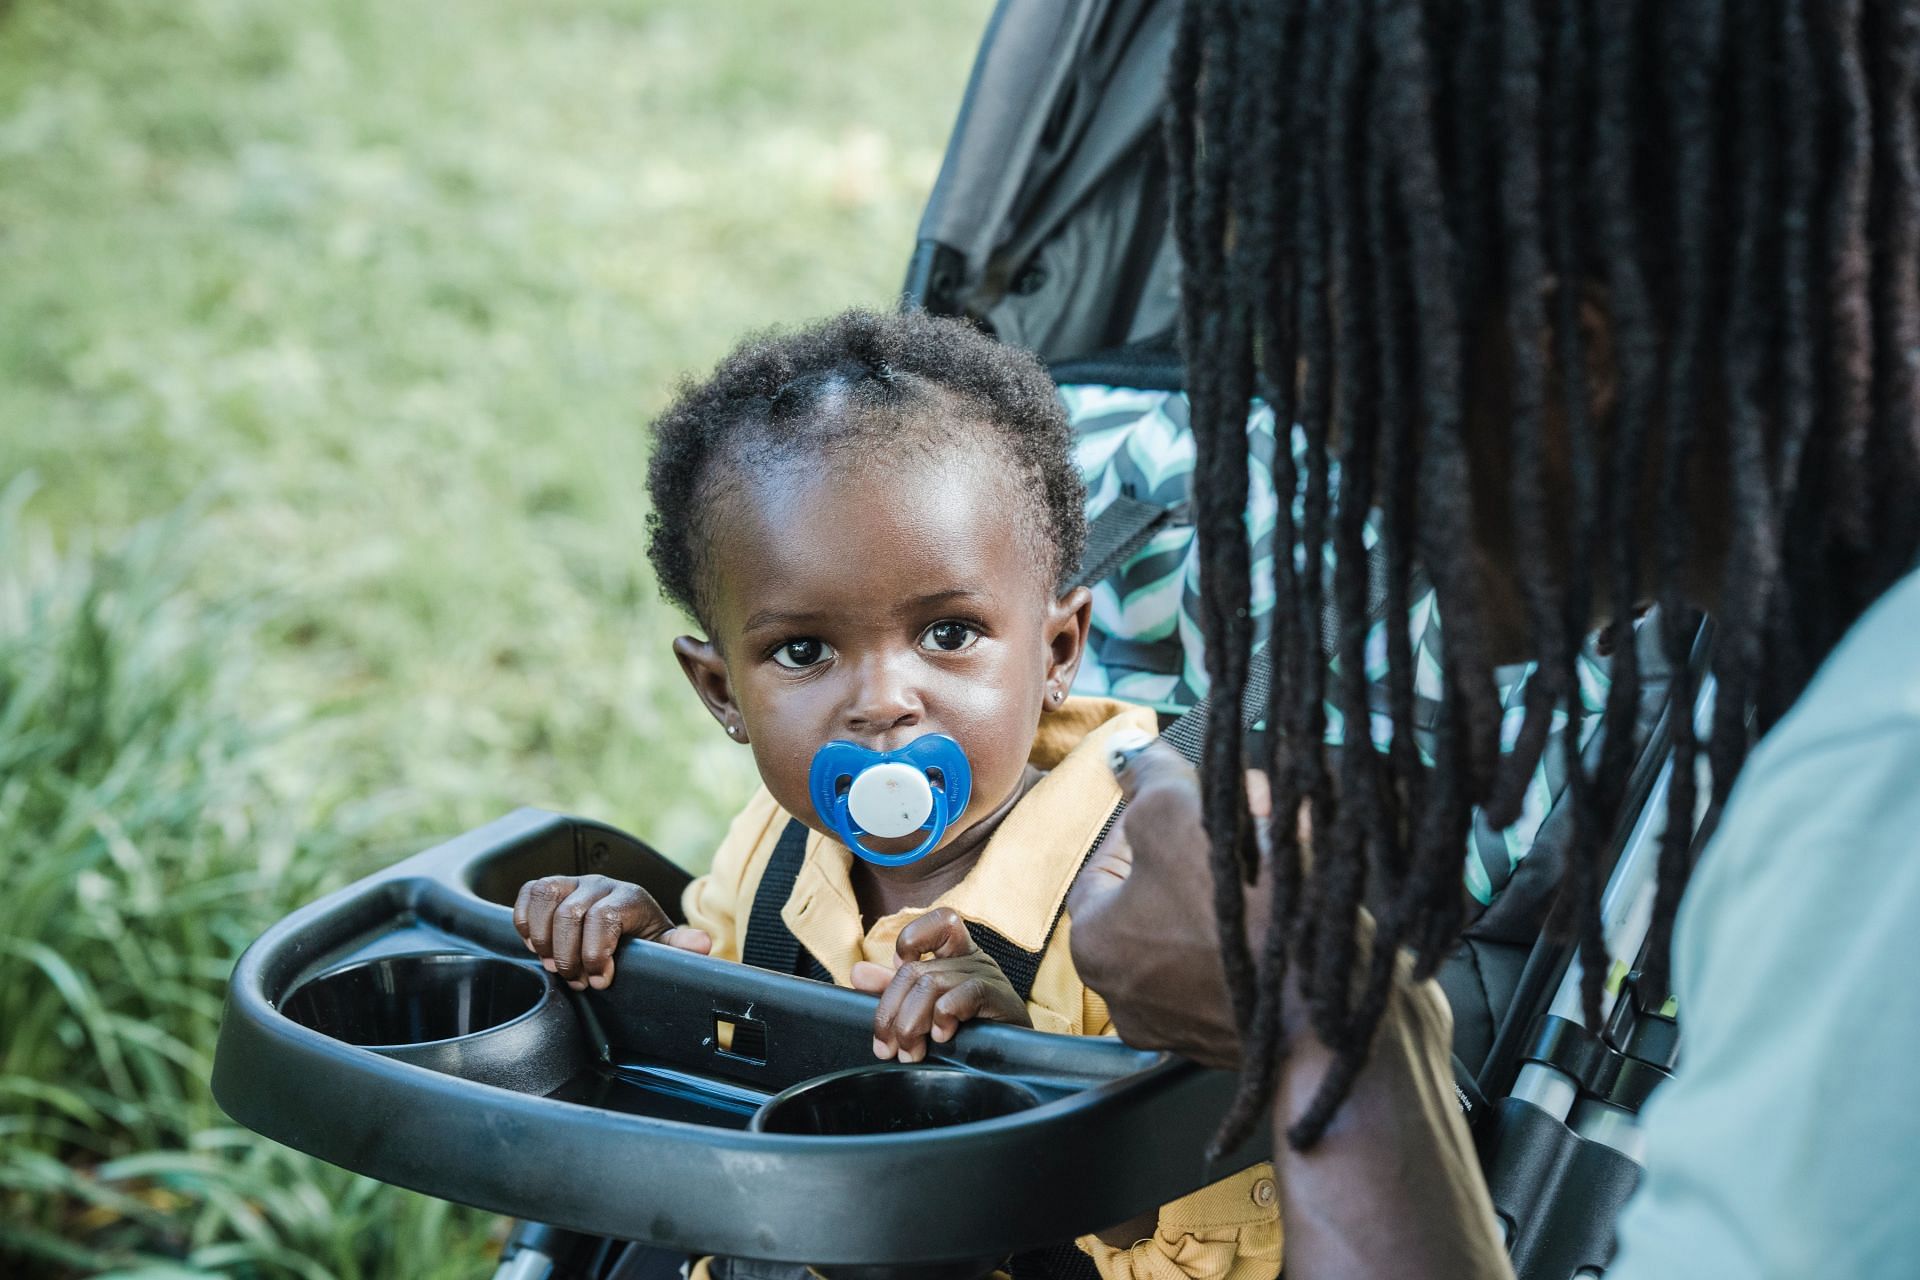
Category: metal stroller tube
<point>1626,912</point>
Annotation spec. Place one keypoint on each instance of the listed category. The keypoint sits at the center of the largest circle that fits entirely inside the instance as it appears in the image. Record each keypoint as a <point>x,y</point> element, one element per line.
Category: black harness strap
<point>1113,536</point>
<point>1062,1261</point>
<point>769,944</point>
<point>1188,734</point>
<point>1021,967</point>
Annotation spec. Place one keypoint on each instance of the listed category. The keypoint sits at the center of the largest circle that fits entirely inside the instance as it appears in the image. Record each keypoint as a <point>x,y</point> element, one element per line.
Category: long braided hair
<point>1611,243</point>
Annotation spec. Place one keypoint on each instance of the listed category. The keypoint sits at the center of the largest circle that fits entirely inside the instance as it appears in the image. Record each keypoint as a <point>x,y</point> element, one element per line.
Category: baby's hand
<point>956,983</point>
<point>575,923</point>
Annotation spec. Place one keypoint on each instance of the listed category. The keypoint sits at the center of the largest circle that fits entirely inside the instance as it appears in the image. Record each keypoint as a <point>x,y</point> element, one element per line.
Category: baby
<point>872,521</point>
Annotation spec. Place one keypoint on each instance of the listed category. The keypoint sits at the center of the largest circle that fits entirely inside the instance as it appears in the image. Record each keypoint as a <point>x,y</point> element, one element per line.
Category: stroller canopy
<point>1049,222</point>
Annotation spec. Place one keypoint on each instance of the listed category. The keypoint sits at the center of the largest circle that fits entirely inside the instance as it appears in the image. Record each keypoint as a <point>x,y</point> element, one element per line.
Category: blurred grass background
<point>328,335</point>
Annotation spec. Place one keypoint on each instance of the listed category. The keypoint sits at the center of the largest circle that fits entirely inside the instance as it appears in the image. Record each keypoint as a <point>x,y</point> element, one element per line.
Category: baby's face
<point>881,603</point>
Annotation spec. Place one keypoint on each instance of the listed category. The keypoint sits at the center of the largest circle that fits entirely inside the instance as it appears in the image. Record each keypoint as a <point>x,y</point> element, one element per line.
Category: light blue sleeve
<point>1788,1142</point>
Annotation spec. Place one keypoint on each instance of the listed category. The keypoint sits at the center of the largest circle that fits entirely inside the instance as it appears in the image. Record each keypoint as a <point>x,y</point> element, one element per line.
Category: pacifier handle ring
<point>938,829</point>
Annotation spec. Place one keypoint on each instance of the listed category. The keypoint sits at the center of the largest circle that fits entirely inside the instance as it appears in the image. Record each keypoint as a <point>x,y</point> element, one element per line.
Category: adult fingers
<point>1163,812</point>
<point>940,932</point>
<point>1259,794</point>
<point>1154,768</point>
<point>1162,795</point>
<point>1160,829</point>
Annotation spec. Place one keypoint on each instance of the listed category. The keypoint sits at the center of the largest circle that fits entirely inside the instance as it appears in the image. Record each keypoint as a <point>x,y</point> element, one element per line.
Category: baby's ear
<point>1066,636</point>
<point>706,671</point>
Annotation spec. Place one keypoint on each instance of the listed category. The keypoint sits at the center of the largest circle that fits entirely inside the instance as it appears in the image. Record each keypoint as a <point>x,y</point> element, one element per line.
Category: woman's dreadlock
<point>1605,240</point>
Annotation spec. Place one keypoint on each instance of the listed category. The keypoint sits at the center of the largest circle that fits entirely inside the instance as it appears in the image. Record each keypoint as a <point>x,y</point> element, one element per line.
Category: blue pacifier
<point>889,794</point>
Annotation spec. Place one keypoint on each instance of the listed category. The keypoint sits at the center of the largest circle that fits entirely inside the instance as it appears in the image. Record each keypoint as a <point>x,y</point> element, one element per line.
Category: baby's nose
<point>883,701</point>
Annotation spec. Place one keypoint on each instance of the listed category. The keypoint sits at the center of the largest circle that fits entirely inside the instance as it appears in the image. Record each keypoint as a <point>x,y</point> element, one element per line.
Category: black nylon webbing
<point>1062,1261</point>
<point>1188,734</point>
<point>1115,534</point>
<point>1021,967</point>
<point>769,944</point>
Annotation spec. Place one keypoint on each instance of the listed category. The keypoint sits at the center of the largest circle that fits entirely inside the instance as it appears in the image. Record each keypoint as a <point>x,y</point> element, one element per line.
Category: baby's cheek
<point>997,746</point>
<point>1000,768</point>
<point>783,770</point>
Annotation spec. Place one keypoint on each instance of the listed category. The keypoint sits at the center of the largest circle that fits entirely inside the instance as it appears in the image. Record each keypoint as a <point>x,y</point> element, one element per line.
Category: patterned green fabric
<point>1145,643</point>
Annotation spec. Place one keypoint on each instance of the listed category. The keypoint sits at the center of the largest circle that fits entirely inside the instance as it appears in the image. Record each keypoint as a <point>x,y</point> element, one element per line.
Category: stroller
<point>1049,225</point>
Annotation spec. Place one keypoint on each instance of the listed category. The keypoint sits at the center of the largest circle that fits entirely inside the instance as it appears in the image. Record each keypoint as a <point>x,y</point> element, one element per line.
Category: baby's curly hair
<point>836,385</point>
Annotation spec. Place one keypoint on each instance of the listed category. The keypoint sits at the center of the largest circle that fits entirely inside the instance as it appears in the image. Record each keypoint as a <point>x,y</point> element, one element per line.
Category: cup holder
<point>479,1017</point>
<point>893,1097</point>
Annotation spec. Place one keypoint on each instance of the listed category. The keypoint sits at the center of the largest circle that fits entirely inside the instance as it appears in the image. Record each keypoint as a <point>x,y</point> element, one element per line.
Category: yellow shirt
<point>1228,1231</point>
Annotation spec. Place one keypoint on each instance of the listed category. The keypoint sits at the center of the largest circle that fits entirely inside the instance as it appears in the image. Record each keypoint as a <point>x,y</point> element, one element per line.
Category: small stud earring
<point>733,731</point>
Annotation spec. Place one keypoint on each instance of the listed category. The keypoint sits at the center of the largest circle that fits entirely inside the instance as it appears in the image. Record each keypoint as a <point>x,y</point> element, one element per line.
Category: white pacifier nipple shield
<point>858,792</point>
<point>890,800</point>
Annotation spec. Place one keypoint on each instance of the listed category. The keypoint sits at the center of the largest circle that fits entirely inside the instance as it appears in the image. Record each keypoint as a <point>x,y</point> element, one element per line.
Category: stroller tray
<point>400,1028</point>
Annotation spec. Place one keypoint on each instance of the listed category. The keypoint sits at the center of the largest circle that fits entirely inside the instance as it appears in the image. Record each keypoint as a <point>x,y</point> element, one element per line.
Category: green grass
<point>328,334</point>
<point>145,845</point>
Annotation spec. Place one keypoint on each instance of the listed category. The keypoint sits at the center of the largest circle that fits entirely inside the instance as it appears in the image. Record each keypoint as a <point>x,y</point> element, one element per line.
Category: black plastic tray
<point>618,1113</point>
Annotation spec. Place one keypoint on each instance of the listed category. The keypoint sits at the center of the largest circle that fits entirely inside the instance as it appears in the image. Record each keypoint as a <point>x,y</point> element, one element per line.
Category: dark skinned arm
<point>1392,1190</point>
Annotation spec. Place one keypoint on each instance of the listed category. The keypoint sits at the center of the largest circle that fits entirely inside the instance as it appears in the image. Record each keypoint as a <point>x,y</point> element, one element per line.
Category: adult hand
<point>575,924</point>
<point>942,980</point>
<point>1142,915</point>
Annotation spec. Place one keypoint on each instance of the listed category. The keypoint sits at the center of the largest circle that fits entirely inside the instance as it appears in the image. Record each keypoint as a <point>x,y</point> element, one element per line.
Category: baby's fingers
<point>940,932</point>
<point>626,911</point>
<point>959,1004</point>
<point>884,1044</point>
<point>606,926</point>
<point>688,938</point>
<point>533,912</point>
<point>600,932</point>
<point>914,1019</point>
<point>570,931</point>
<point>901,1019</point>
<point>870,977</point>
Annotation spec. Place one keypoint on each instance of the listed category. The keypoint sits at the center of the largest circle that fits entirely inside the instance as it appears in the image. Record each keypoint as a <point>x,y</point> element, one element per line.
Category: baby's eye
<point>797,655</point>
<point>948,637</point>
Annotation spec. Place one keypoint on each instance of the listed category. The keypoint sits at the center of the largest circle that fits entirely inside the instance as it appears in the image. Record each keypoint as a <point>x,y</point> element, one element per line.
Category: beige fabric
<point>1228,1231</point>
